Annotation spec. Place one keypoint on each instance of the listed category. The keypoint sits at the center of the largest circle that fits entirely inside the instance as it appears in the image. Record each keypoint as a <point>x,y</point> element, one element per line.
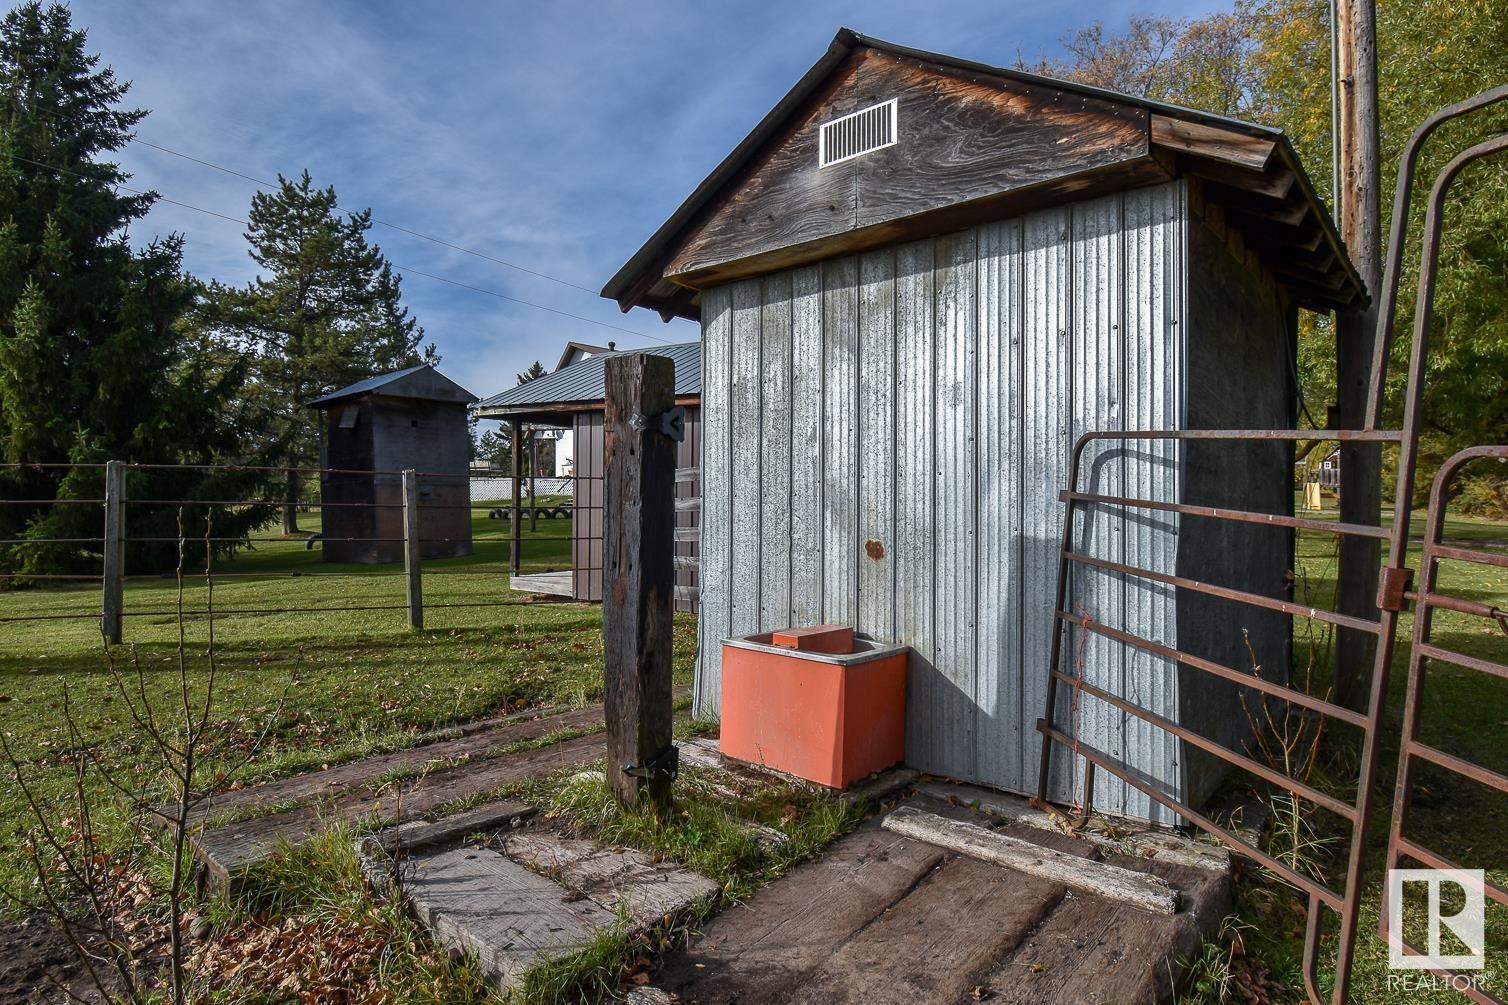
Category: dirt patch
<point>35,957</point>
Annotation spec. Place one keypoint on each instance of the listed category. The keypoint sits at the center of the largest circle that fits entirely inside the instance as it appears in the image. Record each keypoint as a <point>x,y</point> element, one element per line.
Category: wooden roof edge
<point>631,284</point>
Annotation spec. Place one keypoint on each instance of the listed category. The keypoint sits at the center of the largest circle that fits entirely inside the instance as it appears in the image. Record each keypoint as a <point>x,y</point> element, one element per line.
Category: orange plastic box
<point>831,718</point>
<point>818,639</point>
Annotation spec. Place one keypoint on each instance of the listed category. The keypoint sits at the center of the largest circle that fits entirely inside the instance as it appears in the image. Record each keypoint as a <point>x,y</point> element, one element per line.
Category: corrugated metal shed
<point>584,381</point>
<point>886,438</point>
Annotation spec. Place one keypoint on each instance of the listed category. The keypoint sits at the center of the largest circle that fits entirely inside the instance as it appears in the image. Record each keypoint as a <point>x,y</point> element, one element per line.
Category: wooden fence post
<point>533,480</point>
<point>638,576</point>
<point>114,563</point>
<point>412,559</point>
<point>515,528</point>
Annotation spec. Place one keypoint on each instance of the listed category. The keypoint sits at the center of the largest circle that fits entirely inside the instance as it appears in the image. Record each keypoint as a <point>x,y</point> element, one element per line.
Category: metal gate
<point>1394,594</point>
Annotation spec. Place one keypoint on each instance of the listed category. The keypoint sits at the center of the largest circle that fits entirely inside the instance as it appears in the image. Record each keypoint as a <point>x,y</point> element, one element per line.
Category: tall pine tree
<point>94,363</point>
<point>325,311</point>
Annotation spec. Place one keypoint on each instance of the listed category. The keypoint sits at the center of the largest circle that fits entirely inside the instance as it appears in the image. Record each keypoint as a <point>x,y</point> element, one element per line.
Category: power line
<point>400,268</point>
<point>384,223</point>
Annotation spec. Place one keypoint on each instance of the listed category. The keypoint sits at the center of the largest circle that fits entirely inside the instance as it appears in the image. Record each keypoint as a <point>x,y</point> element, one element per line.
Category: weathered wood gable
<point>969,147</point>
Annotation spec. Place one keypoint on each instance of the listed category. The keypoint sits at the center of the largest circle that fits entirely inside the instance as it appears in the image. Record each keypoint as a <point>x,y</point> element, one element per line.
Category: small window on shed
<point>858,133</point>
<point>349,416</point>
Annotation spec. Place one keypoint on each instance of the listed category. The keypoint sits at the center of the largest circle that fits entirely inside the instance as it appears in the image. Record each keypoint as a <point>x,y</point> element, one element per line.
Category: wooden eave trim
<point>543,410</point>
<point>1224,145</point>
<point>1133,172</point>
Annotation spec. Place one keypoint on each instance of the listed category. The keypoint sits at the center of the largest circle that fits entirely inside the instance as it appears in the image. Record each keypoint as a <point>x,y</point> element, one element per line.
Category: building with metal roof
<point>572,399</point>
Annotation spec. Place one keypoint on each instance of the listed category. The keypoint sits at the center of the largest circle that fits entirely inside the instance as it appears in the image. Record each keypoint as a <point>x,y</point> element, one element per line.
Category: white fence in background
<point>501,489</point>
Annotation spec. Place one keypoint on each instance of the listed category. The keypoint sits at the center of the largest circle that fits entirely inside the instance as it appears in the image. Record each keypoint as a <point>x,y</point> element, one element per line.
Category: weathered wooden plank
<point>1250,152</point>
<point>957,922</point>
<point>1090,951</point>
<point>1121,837</point>
<point>646,889</point>
<point>1000,718</point>
<point>714,620</point>
<point>875,614</point>
<point>789,928</point>
<point>775,455</point>
<point>914,485</point>
<point>1138,889</point>
<point>840,513</point>
<point>806,447</point>
<point>465,743</point>
<point>230,849</point>
<point>963,141</point>
<point>418,835</point>
<point>638,578</point>
<point>508,918</point>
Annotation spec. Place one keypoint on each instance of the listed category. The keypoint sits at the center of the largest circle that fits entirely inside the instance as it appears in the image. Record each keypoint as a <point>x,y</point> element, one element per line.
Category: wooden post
<point>1359,190</point>
<point>533,480</point>
<point>638,576</point>
<point>515,525</point>
<point>114,564</point>
<point>413,564</point>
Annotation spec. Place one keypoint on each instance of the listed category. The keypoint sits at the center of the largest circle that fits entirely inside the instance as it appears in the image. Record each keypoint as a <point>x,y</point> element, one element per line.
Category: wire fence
<point>440,539</point>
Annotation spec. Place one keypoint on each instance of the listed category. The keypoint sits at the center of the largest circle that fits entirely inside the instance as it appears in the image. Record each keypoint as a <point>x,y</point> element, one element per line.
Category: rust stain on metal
<point>874,549</point>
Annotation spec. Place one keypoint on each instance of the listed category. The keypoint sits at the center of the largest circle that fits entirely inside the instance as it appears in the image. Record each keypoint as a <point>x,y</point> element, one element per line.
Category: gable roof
<point>1253,164</point>
<point>572,347</point>
<point>585,382</point>
<point>421,382</point>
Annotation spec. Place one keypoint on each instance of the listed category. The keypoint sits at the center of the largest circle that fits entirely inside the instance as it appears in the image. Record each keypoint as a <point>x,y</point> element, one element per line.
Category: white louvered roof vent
<point>857,133</point>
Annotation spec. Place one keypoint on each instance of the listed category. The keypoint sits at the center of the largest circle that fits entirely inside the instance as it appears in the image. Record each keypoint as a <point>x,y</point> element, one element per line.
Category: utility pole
<point>1358,190</point>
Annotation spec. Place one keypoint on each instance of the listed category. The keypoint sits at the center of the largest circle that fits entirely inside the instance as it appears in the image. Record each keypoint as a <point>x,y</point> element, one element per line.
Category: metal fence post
<point>412,561</point>
<point>114,561</point>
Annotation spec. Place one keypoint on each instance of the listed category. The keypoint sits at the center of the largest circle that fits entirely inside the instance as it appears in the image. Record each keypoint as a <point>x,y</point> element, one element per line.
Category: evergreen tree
<point>325,312</point>
<point>95,362</point>
<point>534,372</point>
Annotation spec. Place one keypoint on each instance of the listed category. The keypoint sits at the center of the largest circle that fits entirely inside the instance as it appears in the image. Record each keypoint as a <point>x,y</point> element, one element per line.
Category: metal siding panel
<point>1045,413</point>
<point>954,470</point>
<point>1000,720</point>
<point>775,454</point>
<point>713,624</point>
<point>876,611</point>
<point>1155,365</point>
<point>744,419</point>
<point>840,516</point>
<point>1097,395</point>
<point>806,438</point>
<point>914,514</point>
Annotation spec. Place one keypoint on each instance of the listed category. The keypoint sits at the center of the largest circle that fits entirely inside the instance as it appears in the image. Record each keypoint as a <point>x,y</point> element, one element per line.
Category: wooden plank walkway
<point>884,917</point>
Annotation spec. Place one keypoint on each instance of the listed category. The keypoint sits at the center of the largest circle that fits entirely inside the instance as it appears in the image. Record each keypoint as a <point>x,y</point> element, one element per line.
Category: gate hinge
<point>1392,584</point>
<point>671,422</point>
<point>664,765</point>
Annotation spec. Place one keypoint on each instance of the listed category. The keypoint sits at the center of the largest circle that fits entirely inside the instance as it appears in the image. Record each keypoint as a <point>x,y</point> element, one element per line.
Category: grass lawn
<point>361,681</point>
<point>357,681</point>
<point>1464,713</point>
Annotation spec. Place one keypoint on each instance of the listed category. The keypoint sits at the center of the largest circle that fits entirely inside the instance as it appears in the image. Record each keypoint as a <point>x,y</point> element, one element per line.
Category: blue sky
<point>555,135</point>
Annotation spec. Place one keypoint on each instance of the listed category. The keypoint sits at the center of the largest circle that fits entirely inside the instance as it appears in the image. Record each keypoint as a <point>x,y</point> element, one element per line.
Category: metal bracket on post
<point>114,566</point>
<point>671,423</point>
<point>412,559</point>
<point>1392,589</point>
<point>664,765</point>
